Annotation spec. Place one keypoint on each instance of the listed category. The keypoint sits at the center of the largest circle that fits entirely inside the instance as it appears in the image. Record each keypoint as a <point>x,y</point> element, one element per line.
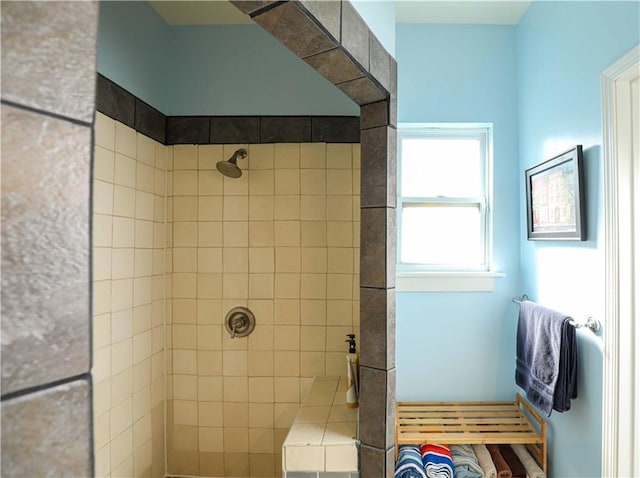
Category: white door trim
<point>620,429</point>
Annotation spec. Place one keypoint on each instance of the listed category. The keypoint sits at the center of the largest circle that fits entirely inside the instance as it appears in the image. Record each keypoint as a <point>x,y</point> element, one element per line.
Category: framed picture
<point>555,198</point>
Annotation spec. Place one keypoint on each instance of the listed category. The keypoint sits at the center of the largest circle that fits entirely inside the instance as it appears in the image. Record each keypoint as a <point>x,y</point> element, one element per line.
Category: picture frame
<point>555,198</point>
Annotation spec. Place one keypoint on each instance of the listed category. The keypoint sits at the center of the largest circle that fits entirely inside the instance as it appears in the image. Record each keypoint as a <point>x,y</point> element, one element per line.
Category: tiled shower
<point>172,235</point>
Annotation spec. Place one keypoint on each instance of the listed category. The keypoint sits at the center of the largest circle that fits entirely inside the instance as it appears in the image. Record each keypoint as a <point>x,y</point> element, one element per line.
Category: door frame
<point>620,433</point>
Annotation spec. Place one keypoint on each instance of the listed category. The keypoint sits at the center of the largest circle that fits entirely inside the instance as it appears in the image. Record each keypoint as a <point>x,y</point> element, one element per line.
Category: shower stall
<point>230,275</point>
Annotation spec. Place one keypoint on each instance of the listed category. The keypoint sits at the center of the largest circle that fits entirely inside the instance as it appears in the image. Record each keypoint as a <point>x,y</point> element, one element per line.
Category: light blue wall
<point>460,346</point>
<point>562,48</point>
<point>133,42</point>
<point>243,70</point>
<point>211,70</point>
<point>380,16</point>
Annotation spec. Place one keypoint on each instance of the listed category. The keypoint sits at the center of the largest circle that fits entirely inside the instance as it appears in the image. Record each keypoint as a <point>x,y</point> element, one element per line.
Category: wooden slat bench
<point>456,423</point>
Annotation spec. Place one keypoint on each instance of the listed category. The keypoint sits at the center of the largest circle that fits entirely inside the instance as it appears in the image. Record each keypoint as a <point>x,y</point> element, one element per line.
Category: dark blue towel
<point>547,361</point>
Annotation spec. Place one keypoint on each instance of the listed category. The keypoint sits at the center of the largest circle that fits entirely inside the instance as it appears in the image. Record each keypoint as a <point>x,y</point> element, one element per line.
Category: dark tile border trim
<point>119,104</point>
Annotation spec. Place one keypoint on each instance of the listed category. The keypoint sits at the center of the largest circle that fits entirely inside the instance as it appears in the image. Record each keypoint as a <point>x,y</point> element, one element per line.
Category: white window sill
<point>447,281</point>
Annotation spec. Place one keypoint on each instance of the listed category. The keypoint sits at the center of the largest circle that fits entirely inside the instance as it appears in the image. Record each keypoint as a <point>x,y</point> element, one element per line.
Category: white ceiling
<point>501,12</point>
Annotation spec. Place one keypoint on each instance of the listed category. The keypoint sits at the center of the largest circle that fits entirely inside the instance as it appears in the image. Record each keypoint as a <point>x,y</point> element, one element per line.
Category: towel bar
<point>592,324</point>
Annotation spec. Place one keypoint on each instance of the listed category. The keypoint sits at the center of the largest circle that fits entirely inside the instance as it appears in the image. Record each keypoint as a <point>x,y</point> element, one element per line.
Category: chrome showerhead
<point>230,167</point>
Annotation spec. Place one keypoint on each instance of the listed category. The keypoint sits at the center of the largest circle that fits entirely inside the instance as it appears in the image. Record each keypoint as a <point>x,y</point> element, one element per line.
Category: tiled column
<point>377,291</point>
<point>48,84</point>
<point>333,39</point>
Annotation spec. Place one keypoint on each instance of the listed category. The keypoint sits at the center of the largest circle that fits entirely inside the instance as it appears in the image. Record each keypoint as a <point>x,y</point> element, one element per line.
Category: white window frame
<point>450,277</point>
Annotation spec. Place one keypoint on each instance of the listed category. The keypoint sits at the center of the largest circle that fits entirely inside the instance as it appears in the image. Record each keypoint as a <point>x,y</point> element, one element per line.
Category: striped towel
<point>409,464</point>
<point>437,461</point>
<point>465,462</point>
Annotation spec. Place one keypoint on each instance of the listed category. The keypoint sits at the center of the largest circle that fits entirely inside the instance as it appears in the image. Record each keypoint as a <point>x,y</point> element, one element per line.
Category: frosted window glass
<point>441,167</point>
<point>441,235</point>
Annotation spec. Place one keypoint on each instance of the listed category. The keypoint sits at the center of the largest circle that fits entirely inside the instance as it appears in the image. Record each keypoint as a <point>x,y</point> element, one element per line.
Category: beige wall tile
<point>209,312</point>
<point>287,155</point>
<point>209,234</point>
<point>185,259</point>
<point>185,183</point>
<point>262,336</point>
<point>210,389</point>
<point>122,263</point>
<point>210,183</point>
<point>287,389</point>
<point>287,233</point>
<point>102,197</point>
<point>261,156</point>
<point>210,208</point>
<point>339,286</point>
<point>260,363</point>
<point>261,440</point>
<point>125,171</point>
<point>209,155</point>
<point>313,155</point>
<point>287,286</point>
<point>313,233</point>
<point>209,363</point>
<point>288,259</point>
<point>105,131</point>
<point>261,208</point>
<point>286,208</point>
<point>236,186</point>
<point>262,182</point>
<point>285,413</point>
<point>313,207</point>
<point>235,234</point>
<point>313,181</point>
<point>234,363</point>
<point>287,311</point>
<point>185,387</point>
<point>236,414</point>
<point>185,362</point>
<point>185,156</point>
<point>339,156</point>
<point>287,182</point>
<point>235,389</point>
<point>339,312</point>
<point>313,312</point>
<point>261,286</point>
<point>314,259</point>
<point>125,140</point>
<point>102,230</point>
<point>287,337</point>
<point>261,233</point>
<point>104,164</point>
<point>261,259</point>
<point>210,439</point>
<point>312,338</point>
<point>121,325</point>
<point>340,208</point>
<point>185,412</point>
<point>121,388</point>
<point>313,286</point>
<point>339,181</point>
<point>287,363</point>
<point>236,208</point>
<point>235,259</point>
<point>209,337</point>
<point>312,363</point>
<point>185,208</point>
<point>261,390</point>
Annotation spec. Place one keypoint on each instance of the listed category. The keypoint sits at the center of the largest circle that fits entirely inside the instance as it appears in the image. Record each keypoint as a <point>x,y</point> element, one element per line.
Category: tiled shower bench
<point>322,442</point>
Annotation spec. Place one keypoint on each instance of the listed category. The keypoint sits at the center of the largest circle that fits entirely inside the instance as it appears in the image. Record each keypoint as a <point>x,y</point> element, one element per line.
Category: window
<point>444,198</point>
